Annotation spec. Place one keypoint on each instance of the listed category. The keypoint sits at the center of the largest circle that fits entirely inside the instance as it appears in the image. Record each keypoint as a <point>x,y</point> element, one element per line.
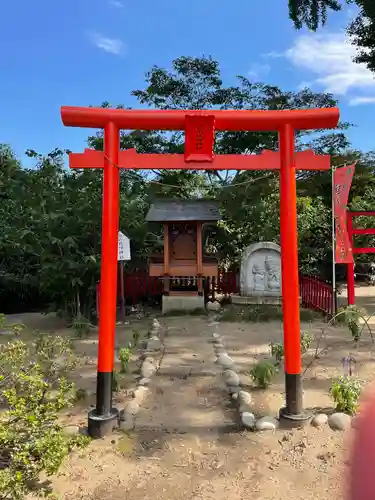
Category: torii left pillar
<point>104,417</point>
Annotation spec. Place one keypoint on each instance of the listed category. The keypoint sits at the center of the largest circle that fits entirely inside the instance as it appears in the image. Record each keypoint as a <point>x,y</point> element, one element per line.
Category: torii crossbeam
<point>199,127</point>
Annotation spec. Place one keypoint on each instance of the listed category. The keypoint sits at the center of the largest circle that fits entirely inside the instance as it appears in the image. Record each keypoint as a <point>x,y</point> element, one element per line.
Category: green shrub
<point>277,348</point>
<point>80,394</point>
<point>14,329</point>
<point>115,381</point>
<point>345,392</point>
<point>306,341</point>
<point>350,316</point>
<point>33,390</point>
<point>81,326</point>
<point>136,337</point>
<point>125,355</point>
<point>277,351</point>
<point>263,372</point>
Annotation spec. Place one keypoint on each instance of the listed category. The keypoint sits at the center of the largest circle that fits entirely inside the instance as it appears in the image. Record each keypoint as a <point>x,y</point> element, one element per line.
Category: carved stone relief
<point>261,269</point>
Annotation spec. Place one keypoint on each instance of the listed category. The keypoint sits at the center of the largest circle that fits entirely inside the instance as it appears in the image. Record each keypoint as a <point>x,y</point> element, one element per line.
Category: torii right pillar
<point>293,410</point>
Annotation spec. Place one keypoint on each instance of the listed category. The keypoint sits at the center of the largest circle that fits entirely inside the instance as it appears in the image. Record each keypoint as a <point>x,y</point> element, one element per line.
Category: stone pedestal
<point>242,300</point>
<point>185,303</point>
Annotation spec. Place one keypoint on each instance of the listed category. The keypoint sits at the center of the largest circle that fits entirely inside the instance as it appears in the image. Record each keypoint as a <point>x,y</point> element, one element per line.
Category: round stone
<point>245,397</point>
<point>154,344</point>
<point>153,332</point>
<point>132,408</point>
<point>213,306</point>
<point>149,359</point>
<point>140,393</point>
<point>319,419</point>
<point>71,430</point>
<point>231,378</point>
<point>144,381</point>
<point>225,361</point>
<point>266,424</point>
<point>147,369</point>
<point>248,420</point>
<point>245,408</point>
<point>339,421</point>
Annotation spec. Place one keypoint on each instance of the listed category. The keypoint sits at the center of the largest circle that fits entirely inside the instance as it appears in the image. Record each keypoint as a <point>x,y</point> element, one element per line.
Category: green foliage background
<point>50,217</point>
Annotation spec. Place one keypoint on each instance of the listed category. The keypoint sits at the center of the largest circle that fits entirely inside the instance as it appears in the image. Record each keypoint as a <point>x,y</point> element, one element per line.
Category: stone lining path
<point>186,395</point>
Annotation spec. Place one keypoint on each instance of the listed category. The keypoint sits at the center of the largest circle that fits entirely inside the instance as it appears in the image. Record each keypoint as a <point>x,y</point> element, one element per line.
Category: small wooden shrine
<point>184,260</point>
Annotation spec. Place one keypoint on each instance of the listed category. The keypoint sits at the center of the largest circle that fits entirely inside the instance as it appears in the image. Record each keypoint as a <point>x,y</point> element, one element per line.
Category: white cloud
<point>356,101</point>
<point>258,70</point>
<point>110,45</point>
<point>330,58</point>
<point>116,3</point>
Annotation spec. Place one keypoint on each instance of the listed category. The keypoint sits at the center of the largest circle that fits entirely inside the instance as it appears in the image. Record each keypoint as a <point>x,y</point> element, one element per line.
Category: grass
<point>261,314</point>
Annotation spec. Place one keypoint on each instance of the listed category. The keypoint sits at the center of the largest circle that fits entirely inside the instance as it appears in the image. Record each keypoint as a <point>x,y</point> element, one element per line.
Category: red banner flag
<point>342,180</point>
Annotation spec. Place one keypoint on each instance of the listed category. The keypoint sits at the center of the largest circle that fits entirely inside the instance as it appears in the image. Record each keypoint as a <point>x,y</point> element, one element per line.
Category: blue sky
<point>82,52</point>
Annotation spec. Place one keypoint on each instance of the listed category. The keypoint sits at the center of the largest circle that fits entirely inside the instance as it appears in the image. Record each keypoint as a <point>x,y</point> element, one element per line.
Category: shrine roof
<point>183,211</point>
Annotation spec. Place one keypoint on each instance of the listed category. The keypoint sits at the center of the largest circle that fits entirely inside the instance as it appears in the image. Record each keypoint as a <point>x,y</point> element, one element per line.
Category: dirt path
<point>186,394</point>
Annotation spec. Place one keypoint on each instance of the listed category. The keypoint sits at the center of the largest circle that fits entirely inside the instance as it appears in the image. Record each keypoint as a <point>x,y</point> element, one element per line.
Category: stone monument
<point>260,275</point>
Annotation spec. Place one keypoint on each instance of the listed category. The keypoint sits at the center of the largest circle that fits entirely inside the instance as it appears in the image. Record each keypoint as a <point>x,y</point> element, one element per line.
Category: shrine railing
<point>139,285</point>
<point>315,293</point>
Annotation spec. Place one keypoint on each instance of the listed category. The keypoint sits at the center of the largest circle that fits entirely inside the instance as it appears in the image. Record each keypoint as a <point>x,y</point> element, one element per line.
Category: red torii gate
<point>350,281</point>
<point>199,127</point>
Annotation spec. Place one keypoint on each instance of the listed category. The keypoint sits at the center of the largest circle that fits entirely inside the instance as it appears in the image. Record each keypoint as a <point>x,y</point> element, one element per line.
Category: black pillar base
<point>102,425</point>
<point>293,420</point>
<point>293,415</point>
<point>293,393</point>
<point>104,418</point>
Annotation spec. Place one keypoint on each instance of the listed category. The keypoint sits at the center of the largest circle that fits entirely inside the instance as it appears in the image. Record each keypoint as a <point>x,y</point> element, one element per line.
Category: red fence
<point>317,294</point>
<point>139,286</point>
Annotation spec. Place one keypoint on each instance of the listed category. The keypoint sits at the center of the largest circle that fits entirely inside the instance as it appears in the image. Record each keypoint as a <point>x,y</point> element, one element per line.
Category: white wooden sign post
<point>123,255</point>
<point>123,247</point>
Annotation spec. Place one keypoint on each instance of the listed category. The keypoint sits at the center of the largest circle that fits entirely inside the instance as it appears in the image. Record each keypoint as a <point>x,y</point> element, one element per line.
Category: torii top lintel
<point>231,120</point>
<point>199,127</point>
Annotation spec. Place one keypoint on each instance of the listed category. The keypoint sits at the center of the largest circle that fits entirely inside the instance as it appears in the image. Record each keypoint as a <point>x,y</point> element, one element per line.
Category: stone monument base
<point>272,300</point>
<point>243,300</point>
<point>184,303</point>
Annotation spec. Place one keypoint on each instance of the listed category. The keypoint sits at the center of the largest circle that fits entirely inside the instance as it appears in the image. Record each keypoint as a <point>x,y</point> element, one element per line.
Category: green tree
<point>249,200</point>
<point>313,13</point>
<point>50,217</point>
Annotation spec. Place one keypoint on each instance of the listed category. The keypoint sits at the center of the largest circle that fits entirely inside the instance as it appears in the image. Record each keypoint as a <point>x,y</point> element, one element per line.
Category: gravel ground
<point>186,445</point>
